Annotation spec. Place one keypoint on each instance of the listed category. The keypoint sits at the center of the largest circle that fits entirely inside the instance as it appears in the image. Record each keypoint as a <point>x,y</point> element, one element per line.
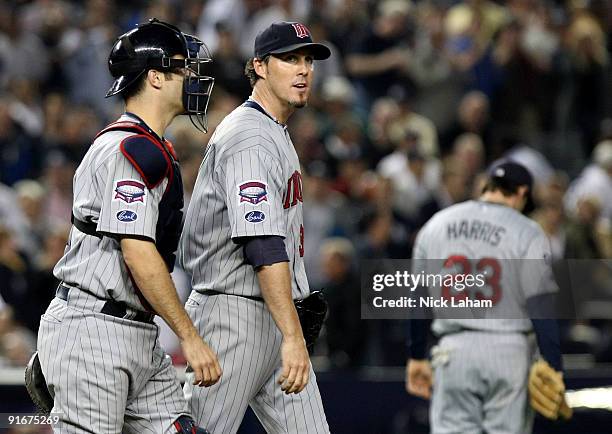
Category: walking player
<point>482,366</point>
<point>97,342</point>
<point>243,244</point>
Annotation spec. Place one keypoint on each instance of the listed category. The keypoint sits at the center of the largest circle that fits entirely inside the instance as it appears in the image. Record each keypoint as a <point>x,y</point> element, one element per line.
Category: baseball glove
<point>312,311</point>
<point>37,385</point>
<point>547,391</point>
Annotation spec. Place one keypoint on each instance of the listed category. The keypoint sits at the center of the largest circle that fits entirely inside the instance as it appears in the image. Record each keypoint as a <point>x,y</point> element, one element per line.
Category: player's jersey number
<point>489,267</point>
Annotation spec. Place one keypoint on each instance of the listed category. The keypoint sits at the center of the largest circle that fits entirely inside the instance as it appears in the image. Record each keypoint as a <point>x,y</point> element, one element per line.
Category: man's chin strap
<point>186,425</point>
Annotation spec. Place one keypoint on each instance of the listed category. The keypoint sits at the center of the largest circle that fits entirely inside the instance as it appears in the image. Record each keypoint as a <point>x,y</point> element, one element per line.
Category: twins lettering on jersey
<point>130,191</point>
<point>293,195</point>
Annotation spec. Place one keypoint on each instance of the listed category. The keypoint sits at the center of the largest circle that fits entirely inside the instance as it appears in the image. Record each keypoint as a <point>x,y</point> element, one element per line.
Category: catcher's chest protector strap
<point>153,159</point>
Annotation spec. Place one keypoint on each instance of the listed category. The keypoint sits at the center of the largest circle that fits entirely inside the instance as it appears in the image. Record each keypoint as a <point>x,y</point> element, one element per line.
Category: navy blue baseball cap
<point>512,174</point>
<point>283,37</point>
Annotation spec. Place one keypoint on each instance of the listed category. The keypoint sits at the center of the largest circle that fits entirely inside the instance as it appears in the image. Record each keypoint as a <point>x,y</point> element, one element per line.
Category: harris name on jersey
<point>474,229</point>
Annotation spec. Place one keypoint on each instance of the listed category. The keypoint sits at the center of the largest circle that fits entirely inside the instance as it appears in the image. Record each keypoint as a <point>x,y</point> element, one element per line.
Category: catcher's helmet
<point>151,46</point>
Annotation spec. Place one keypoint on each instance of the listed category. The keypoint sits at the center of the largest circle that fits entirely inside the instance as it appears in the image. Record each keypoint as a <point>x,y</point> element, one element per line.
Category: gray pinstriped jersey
<point>249,184</point>
<point>475,230</point>
<point>111,193</point>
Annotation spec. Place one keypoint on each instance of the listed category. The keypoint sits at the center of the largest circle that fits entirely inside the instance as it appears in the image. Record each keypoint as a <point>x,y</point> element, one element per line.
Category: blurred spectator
<point>409,120</point>
<point>385,111</point>
<point>54,107</point>
<point>322,216</point>
<point>77,129</point>
<point>413,177</point>
<point>344,19</point>
<point>85,55</point>
<point>479,18</point>
<point>306,131</point>
<point>338,96</point>
<point>455,187</point>
<point>12,217</point>
<point>42,282</point>
<point>22,53</point>
<point>439,86</point>
<point>472,117</point>
<point>383,236</point>
<point>17,346</point>
<point>589,70</point>
<point>57,178</point>
<point>468,150</point>
<point>25,106</point>
<point>380,57</point>
<point>18,151</point>
<point>228,64</point>
<point>344,329</point>
<point>245,19</point>
<point>582,231</point>
<point>594,181</point>
<point>346,141</point>
<point>31,200</point>
<point>330,67</point>
<point>13,274</point>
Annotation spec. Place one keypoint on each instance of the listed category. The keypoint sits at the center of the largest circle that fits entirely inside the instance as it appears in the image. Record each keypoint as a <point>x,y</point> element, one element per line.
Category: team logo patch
<point>127,216</point>
<point>129,191</point>
<point>253,192</point>
<point>254,216</point>
<point>301,31</point>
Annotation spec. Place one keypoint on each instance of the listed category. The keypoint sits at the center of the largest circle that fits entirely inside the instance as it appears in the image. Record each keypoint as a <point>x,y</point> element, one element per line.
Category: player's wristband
<point>417,338</point>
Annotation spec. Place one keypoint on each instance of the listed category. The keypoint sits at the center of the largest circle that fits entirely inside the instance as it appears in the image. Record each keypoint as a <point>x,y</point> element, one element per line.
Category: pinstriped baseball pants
<point>247,342</point>
<point>108,375</point>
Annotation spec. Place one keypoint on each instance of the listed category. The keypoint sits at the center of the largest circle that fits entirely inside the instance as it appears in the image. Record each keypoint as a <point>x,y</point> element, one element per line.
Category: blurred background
<point>416,100</point>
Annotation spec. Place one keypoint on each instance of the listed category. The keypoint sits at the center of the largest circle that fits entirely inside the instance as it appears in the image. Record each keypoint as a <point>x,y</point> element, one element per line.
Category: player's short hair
<point>138,86</point>
<point>249,70</point>
<point>496,184</point>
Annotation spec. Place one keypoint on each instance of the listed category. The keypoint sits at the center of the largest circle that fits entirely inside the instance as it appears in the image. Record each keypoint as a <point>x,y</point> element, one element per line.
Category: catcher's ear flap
<point>36,385</point>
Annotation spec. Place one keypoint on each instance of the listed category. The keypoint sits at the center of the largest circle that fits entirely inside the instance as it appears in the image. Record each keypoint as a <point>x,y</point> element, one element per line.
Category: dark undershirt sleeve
<point>264,250</point>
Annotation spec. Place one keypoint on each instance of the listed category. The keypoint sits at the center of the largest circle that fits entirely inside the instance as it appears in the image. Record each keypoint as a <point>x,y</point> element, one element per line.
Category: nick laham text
<point>429,302</point>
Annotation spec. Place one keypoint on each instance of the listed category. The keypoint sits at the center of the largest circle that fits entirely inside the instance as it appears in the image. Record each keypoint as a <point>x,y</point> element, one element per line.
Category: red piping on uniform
<point>138,169</point>
<point>155,141</point>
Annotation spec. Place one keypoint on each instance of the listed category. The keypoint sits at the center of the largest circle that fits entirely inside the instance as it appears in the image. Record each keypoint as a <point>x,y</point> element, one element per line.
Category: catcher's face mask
<point>197,85</point>
<point>152,46</point>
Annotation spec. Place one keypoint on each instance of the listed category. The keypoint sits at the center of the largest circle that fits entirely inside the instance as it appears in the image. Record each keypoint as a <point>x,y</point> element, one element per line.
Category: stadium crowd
<point>418,98</point>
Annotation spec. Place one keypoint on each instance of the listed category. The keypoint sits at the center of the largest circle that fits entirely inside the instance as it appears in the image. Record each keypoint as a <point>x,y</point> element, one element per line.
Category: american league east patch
<point>253,192</point>
<point>130,191</point>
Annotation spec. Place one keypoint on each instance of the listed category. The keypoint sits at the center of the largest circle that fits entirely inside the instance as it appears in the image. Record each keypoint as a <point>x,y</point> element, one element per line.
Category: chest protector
<point>155,160</point>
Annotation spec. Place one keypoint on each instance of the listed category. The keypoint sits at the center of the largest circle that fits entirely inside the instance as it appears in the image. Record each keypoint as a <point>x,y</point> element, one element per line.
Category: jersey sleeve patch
<point>130,191</point>
<point>255,217</point>
<point>147,157</point>
<point>253,192</point>
<point>127,216</point>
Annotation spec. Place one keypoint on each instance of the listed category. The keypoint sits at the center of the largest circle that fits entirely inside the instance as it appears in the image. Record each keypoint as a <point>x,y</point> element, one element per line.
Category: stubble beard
<point>298,104</point>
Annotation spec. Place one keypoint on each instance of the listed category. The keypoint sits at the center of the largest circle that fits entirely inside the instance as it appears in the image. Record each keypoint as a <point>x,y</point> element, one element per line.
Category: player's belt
<point>213,292</point>
<point>111,307</point>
